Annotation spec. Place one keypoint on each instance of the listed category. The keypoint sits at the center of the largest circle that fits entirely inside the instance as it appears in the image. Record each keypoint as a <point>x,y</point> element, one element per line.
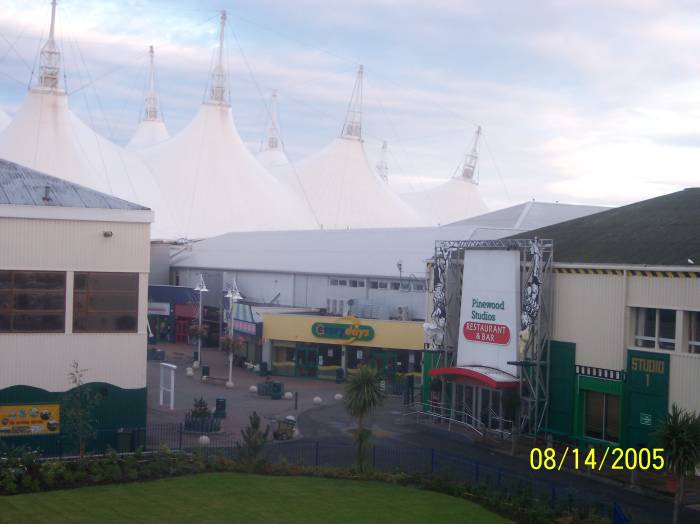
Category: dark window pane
<point>45,301</point>
<point>39,280</point>
<point>667,328</point>
<point>113,302</point>
<point>594,414</point>
<point>113,281</point>
<point>106,302</point>
<point>4,322</point>
<point>5,300</point>
<point>5,279</point>
<point>37,322</point>
<point>612,418</point>
<point>80,281</point>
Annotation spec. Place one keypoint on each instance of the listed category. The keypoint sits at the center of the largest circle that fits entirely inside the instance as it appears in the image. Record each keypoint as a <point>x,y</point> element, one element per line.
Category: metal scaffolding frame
<point>536,261</point>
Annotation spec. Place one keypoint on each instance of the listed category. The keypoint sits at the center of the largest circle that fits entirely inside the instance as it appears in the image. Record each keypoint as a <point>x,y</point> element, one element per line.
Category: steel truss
<point>536,261</point>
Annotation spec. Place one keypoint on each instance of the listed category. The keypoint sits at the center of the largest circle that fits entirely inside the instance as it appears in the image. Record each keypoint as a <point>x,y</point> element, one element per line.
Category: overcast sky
<point>580,101</point>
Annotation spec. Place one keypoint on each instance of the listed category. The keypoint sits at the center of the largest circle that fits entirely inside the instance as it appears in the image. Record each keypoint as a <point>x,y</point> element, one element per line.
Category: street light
<point>234,296</point>
<point>202,288</point>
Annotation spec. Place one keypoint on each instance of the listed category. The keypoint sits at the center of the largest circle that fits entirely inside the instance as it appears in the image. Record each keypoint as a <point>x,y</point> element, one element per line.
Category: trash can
<point>220,410</point>
<point>205,371</point>
<point>263,369</point>
<point>123,441</point>
<point>277,390</point>
<point>339,375</point>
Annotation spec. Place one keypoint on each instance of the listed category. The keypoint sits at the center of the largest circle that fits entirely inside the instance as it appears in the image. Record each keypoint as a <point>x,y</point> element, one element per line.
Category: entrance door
<point>182,330</point>
<point>306,360</point>
<point>383,361</point>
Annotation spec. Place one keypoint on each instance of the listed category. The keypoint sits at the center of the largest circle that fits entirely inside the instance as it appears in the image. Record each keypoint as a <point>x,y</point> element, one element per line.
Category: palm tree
<point>679,436</point>
<point>363,393</point>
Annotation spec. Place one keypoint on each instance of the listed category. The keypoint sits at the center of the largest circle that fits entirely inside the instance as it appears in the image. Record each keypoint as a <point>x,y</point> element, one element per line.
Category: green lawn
<point>248,499</point>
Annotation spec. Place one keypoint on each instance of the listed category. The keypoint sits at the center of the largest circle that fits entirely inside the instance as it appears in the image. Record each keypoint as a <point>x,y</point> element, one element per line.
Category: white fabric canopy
<point>345,192</point>
<point>4,120</point>
<point>215,185</point>
<point>272,158</point>
<point>45,135</point>
<point>456,199</point>
<point>148,133</point>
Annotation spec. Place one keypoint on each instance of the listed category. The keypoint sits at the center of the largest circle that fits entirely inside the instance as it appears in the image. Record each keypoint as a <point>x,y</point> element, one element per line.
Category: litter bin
<point>339,375</point>
<point>205,371</point>
<point>277,390</point>
<point>123,441</point>
<point>220,410</point>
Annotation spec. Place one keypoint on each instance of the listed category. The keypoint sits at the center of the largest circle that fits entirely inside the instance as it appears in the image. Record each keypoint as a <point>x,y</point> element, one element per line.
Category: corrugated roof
<point>362,252</point>
<point>23,186</point>
<point>529,215</point>
<point>663,231</point>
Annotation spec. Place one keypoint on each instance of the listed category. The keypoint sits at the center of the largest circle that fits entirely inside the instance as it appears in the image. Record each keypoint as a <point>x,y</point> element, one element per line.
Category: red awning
<point>491,377</point>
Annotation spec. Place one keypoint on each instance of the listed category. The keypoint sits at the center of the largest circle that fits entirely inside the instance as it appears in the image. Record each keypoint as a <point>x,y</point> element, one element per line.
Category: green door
<point>306,361</point>
<point>647,401</point>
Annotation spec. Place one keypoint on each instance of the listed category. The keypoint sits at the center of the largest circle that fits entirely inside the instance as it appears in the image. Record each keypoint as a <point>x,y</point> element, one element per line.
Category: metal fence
<point>391,459</point>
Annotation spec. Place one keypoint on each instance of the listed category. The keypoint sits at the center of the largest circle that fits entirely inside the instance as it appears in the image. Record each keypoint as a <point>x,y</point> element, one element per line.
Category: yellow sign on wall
<point>29,419</point>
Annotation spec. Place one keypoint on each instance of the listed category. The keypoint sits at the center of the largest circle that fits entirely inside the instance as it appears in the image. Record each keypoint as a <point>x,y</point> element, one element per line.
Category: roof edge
<point>144,216</point>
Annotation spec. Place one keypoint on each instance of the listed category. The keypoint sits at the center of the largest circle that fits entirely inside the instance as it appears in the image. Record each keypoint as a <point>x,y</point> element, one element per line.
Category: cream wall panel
<point>589,311</point>
<point>685,381</point>
<point>73,245</point>
<point>664,292</point>
<point>42,360</point>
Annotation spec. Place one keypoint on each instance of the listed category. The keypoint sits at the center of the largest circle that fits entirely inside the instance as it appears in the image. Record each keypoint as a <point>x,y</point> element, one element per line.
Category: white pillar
<point>267,353</point>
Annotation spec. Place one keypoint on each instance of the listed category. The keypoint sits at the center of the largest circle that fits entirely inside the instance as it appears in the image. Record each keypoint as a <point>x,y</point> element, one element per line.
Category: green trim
<point>611,387</point>
<point>118,408</point>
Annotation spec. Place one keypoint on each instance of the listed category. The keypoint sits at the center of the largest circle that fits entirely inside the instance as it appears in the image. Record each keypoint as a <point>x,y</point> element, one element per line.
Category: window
<point>418,286</point>
<point>395,286</point>
<point>360,283</point>
<point>105,302</point>
<point>342,282</point>
<point>334,309</point>
<point>353,283</point>
<point>602,416</point>
<point>383,285</point>
<point>694,338</point>
<point>340,307</point>
<point>373,284</point>
<point>405,285</point>
<point>32,301</point>
<point>655,328</point>
<point>334,281</point>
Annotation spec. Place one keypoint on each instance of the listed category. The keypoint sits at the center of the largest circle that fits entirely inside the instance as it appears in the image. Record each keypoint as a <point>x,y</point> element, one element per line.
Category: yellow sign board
<point>29,419</point>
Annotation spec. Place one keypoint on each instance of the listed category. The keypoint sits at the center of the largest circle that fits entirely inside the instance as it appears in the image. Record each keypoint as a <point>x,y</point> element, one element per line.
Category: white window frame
<point>656,339</point>
<point>693,345</point>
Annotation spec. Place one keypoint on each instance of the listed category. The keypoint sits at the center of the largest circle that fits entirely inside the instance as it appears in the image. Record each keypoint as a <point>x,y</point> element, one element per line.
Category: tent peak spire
<point>272,139</point>
<point>50,58</point>
<point>352,128</point>
<point>468,171</point>
<point>218,93</point>
<point>382,167</point>
<point>151,103</point>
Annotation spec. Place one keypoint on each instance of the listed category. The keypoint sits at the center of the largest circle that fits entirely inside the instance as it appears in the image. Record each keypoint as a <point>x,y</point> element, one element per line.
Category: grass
<point>249,499</point>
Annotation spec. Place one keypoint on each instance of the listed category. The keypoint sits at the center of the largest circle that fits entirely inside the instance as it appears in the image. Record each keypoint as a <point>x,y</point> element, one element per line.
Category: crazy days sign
<point>490,309</point>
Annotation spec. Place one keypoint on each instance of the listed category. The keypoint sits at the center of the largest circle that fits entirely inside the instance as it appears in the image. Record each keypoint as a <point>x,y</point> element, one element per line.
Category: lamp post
<point>234,296</point>
<point>201,288</point>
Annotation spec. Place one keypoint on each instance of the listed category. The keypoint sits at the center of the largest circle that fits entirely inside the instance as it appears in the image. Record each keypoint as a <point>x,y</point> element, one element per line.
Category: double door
<point>306,361</point>
<point>477,406</point>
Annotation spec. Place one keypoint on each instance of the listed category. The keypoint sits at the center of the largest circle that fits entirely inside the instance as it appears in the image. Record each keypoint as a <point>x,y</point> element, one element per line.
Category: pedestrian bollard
<point>296,399</point>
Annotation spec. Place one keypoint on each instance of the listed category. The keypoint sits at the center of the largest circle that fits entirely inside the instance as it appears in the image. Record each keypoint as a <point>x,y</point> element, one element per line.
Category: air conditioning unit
<point>402,312</point>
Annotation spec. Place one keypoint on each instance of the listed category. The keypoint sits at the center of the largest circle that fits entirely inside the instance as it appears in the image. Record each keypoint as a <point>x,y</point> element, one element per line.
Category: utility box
<point>220,409</point>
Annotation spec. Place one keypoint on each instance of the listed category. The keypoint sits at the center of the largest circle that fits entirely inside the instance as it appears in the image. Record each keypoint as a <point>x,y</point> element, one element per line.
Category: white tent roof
<point>148,133</point>
<point>215,185</point>
<point>456,199</point>
<point>4,120</point>
<point>340,185</point>
<point>211,178</point>
<point>45,135</point>
<point>345,192</point>
<point>272,154</point>
<point>151,130</point>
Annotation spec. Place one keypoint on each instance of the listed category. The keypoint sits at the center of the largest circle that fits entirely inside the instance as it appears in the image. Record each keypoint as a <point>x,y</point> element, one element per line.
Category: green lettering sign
<point>346,332</point>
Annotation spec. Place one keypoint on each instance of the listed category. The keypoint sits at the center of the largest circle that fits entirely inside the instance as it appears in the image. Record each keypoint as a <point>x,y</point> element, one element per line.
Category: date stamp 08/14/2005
<point>595,460</point>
